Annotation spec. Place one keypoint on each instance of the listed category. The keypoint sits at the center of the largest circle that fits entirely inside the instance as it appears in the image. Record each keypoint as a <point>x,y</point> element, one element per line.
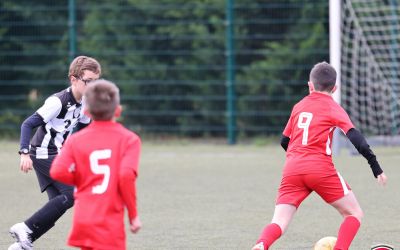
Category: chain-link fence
<point>189,68</point>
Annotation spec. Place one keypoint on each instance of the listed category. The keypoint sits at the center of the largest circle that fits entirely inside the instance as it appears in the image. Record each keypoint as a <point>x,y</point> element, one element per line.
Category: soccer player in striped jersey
<point>60,114</point>
<point>307,140</point>
<point>101,161</point>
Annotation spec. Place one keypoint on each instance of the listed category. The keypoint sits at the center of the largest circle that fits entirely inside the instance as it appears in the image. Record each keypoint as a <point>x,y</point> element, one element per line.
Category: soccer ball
<point>326,243</point>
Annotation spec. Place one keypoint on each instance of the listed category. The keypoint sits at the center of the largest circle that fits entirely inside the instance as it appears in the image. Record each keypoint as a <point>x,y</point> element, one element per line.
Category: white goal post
<point>365,51</point>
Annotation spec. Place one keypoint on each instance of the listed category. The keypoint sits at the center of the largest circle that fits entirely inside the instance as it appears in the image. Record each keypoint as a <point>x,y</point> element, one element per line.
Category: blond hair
<point>82,63</point>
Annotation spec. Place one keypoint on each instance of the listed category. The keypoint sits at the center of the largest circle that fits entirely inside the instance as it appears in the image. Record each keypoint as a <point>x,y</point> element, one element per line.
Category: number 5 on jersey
<point>103,169</point>
<point>304,123</point>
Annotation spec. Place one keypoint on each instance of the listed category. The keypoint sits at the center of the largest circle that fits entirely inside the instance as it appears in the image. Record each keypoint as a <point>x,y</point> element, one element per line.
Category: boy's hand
<point>136,224</point>
<point>382,179</point>
<point>25,163</point>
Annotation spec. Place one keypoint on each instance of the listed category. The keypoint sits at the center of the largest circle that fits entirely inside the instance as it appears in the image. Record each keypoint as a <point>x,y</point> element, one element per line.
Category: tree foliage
<point>168,57</point>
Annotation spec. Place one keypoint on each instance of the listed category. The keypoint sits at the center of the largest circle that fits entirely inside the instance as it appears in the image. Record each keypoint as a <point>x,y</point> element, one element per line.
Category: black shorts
<point>42,170</point>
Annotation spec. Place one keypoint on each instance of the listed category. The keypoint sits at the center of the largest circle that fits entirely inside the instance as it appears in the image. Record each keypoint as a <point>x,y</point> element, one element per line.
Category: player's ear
<point>334,89</point>
<point>311,87</point>
<point>73,80</point>
<point>118,111</point>
<point>86,112</point>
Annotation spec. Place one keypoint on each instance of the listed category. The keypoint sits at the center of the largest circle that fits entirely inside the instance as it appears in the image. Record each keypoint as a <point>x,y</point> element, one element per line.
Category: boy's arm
<point>63,167</point>
<point>286,133</point>
<point>127,177</point>
<point>359,142</point>
<point>50,109</point>
<point>30,123</point>
<point>285,142</point>
<point>127,188</point>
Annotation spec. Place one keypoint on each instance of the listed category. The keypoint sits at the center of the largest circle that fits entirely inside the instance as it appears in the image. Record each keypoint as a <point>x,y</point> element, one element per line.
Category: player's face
<point>87,77</point>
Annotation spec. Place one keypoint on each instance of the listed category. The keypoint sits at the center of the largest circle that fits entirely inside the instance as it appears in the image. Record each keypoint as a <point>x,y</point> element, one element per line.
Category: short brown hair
<point>102,98</point>
<point>82,63</point>
<point>323,76</point>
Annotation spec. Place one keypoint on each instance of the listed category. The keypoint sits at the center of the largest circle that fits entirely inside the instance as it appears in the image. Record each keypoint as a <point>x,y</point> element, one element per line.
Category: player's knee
<point>283,225</point>
<point>359,214</point>
<point>356,213</point>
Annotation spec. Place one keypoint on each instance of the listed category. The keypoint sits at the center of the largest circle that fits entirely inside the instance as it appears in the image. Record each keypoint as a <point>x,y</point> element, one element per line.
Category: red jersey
<point>102,162</point>
<point>310,129</point>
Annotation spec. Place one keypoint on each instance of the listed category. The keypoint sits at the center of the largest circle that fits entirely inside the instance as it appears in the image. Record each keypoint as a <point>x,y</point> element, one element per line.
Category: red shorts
<point>295,188</point>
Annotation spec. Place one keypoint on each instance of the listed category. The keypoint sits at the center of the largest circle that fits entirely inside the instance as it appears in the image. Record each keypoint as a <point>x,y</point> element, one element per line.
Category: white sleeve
<point>84,118</point>
<point>50,109</point>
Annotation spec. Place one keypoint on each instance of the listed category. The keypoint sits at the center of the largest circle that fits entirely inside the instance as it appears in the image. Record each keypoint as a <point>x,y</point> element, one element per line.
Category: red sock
<point>347,232</point>
<point>270,234</point>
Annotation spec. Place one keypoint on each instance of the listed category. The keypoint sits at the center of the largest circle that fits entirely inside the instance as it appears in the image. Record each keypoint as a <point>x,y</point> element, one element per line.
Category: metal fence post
<point>72,29</point>
<point>230,74</point>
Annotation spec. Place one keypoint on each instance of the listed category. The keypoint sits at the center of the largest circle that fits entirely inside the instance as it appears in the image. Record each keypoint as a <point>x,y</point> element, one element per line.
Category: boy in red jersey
<point>307,139</point>
<point>101,161</point>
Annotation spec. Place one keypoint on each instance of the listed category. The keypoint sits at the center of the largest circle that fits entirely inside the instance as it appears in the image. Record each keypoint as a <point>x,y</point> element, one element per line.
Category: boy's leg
<point>46,217</point>
<point>60,199</point>
<point>349,208</point>
<point>291,194</point>
<point>52,192</point>
<point>282,216</point>
<point>335,191</point>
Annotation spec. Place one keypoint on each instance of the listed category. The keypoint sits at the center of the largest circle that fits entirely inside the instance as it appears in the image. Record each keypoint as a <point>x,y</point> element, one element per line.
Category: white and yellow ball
<point>326,243</point>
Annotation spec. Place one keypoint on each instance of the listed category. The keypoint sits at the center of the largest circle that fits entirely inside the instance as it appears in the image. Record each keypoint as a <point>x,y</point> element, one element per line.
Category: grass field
<point>204,196</point>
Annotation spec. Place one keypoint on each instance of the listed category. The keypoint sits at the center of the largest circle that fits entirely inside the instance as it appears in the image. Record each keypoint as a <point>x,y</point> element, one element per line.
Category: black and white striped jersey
<point>60,113</point>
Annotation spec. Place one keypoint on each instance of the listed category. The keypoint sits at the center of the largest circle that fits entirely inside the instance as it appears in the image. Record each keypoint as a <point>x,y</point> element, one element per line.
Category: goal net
<point>370,66</point>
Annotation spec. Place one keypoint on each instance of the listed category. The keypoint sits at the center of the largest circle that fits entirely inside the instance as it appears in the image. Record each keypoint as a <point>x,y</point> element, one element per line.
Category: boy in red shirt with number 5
<point>307,141</point>
<point>101,161</point>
